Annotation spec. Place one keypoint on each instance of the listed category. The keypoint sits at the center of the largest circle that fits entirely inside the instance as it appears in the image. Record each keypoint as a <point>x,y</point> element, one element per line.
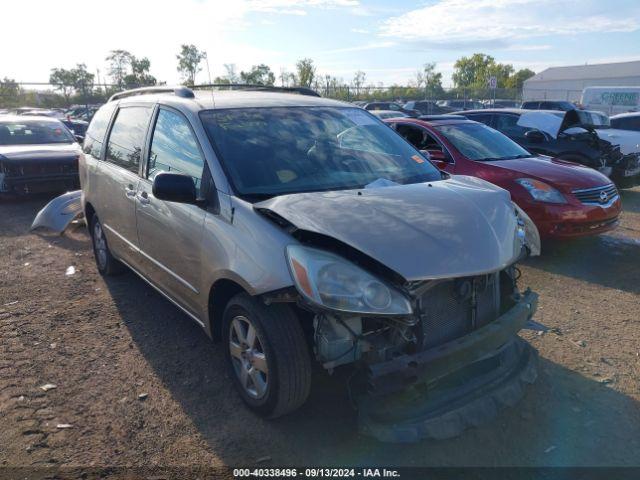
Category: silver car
<point>296,229</point>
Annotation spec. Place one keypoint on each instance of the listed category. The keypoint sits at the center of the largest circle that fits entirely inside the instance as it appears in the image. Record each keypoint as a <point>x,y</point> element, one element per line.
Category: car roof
<point>210,99</point>
<point>515,111</point>
<point>27,118</point>
<point>626,114</point>
<point>433,123</point>
<point>395,112</point>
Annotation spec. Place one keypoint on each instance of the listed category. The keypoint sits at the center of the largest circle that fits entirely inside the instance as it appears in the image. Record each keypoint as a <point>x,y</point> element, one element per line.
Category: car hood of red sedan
<point>559,173</point>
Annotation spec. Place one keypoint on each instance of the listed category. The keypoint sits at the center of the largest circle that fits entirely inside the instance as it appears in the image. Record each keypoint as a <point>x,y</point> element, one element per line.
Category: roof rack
<point>261,88</point>
<point>183,92</point>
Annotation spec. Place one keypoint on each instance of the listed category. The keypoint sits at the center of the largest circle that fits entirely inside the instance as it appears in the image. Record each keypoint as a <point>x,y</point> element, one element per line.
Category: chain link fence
<point>47,95</point>
<point>552,94</point>
<point>351,93</point>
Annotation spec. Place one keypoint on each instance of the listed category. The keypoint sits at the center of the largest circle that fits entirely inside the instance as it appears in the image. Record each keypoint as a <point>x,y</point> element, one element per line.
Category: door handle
<point>143,198</point>
<point>130,191</point>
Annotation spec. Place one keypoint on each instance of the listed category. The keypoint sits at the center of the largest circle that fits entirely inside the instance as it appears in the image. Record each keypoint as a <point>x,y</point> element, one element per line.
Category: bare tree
<point>119,63</point>
<point>232,72</point>
<point>189,60</point>
<point>358,81</point>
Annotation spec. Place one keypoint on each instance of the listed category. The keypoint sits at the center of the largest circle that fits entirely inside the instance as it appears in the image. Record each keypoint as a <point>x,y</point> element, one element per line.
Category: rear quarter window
<point>94,136</point>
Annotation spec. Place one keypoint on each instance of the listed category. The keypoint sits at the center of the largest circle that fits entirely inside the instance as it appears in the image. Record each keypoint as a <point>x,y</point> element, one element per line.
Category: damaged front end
<point>455,345</point>
<point>20,175</point>
<point>624,169</point>
<point>422,347</point>
<point>459,347</point>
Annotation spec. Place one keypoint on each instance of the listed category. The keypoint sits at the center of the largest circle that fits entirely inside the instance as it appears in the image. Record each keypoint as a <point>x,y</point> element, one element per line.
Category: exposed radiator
<point>447,310</point>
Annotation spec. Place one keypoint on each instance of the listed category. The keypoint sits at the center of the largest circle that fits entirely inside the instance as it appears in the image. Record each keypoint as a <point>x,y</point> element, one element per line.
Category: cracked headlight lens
<point>331,281</point>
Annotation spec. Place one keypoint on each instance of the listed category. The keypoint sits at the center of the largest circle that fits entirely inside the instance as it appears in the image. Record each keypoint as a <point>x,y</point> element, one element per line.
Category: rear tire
<point>267,355</point>
<point>105,261</point>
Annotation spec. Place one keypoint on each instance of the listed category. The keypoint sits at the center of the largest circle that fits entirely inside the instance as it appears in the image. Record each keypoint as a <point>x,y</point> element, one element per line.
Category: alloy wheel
<point>248,357</point>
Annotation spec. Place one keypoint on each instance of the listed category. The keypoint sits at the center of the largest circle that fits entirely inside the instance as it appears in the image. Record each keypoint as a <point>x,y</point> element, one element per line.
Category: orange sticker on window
<point>417,159</point>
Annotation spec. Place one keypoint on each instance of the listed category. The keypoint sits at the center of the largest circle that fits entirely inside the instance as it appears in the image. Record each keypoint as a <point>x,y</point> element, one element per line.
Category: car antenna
<point>206,59</point>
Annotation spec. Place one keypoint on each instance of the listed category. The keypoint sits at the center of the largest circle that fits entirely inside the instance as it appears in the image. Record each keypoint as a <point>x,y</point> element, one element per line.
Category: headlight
<point>541,191</point>
<point>330,281</point>
<point>528,231</point>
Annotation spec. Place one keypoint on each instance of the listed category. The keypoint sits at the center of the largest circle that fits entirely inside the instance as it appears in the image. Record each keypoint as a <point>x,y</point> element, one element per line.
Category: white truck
<point>611,100</point>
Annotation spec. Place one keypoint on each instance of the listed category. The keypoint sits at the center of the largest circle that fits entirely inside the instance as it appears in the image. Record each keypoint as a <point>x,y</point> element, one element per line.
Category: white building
<point>567,83</point>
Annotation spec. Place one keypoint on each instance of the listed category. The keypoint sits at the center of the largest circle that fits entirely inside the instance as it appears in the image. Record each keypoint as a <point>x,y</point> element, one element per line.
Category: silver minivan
<point>296,229</point>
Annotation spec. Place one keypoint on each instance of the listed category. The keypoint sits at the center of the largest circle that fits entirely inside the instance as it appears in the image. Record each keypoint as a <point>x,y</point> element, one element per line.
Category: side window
<point>415,136</point>
<point>626,123</point>
<point>94,136</point>
<point>174,148</point>
<point>508,124</point>
<point>127,137</point>
<point>430,143</point>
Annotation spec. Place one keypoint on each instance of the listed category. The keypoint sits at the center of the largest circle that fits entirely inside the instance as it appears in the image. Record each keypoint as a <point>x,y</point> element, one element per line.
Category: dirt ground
<point>104,342</point>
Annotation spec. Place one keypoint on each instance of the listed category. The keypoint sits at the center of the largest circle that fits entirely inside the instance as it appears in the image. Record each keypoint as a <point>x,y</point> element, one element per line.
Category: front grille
<point>598,195</point>
<point>447,310</point>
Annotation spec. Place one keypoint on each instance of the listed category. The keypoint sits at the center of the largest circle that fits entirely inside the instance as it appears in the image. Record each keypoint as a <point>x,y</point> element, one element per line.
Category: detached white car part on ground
<point>58,214</point>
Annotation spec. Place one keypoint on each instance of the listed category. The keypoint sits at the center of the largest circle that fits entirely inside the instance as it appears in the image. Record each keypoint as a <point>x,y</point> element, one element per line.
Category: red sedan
<point>564,199</point>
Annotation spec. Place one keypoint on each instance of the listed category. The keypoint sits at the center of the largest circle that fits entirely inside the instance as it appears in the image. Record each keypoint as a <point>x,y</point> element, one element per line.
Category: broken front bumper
<point>38,176</point>
<point>626,172</point>
<point>59,212</point>
<point>441,391</point>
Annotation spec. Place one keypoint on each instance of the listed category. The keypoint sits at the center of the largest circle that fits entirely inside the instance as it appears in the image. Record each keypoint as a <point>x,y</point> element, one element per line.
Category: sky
<point>387,39</point>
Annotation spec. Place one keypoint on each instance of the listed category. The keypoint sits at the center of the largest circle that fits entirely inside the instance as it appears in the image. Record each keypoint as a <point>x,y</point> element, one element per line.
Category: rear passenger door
<point>171,233</point>
<point>115,198</point>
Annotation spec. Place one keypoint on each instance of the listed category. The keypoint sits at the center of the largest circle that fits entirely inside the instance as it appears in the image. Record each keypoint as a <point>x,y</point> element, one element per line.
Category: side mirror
<point>174,187</point>
<point>535,136</point>
<point>79,138</point>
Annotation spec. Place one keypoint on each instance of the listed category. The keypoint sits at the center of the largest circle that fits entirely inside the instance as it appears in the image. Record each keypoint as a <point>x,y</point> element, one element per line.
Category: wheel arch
<point>220,293</point>
<point>89,212</point>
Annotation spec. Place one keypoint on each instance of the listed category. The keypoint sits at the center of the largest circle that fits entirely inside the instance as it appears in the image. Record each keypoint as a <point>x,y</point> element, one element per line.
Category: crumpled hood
<point>629,141</point>
<point>39,152</point>
<point>567,176</point>
<point>550,123</point>
<point>451,228</point>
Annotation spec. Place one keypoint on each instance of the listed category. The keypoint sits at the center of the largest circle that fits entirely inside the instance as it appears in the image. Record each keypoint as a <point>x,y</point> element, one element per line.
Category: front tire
<point>267,355</point>
<point>105,261</point>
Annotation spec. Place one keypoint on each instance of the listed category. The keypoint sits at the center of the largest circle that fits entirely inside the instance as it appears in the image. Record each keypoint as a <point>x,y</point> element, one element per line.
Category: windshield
<point>33,132</point>
<point>280,150</point>
<point>593,119</point>
<point>476,141</point>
